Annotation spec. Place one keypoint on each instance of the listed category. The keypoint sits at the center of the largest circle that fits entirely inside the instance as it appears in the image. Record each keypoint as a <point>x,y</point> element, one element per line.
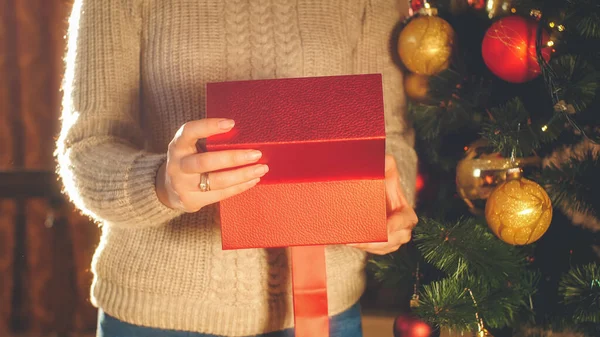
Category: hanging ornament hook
<point>481,330</point>
<point>414,301</point>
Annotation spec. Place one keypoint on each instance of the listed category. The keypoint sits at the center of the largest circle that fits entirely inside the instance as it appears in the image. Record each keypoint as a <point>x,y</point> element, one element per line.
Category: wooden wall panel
<point>8,148</point>
<point>37,114</point>
<point>84,237</point>
<point>39,85</point>
<point>7,220</point>
<point>44,265</point>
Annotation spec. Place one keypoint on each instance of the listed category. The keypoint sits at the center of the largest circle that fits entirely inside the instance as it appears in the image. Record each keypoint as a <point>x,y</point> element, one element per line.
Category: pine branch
<point>574,184</point>
<point>392,269</point>
<point>467,246</point>
<point>576,80</point>
<point>584,15</point>
<point>448,303</point>
<point>580,289</point>
<point>509,129</point>
<point>450,105</point>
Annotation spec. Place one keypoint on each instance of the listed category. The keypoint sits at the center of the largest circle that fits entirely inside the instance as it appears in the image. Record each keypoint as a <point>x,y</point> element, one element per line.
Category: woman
<point>133,112</point>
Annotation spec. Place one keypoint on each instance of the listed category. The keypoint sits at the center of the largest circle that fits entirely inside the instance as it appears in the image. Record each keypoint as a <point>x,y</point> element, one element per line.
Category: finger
<point>212,197</point>
<point>379,248</point>
<point>225,179</point>
<point>395,240</point>
<point>219,160</point>
<point>189,133</point>
<point>402,220</point>
<point>392,185</point>
<point>400,237</point>
<point>391,169</point>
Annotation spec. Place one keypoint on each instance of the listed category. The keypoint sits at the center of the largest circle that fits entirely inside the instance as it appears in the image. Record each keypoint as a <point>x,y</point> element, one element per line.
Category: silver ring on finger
<point>204,182</point>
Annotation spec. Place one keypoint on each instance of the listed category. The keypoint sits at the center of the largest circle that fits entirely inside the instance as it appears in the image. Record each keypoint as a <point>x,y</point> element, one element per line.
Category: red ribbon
<point>309,287</point>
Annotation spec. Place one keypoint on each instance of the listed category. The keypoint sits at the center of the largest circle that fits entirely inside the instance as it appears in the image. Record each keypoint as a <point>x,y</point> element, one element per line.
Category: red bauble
<point>509,49</point>
<point>416,5</point>
<point>411,326</point>
<point>477,4</point>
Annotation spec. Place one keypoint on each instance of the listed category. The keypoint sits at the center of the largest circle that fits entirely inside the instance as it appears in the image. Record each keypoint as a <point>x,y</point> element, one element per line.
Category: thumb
<point>393,191</point>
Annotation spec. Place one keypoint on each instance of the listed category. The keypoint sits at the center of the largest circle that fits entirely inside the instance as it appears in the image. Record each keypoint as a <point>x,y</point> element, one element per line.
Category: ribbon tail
<point>309,287</point>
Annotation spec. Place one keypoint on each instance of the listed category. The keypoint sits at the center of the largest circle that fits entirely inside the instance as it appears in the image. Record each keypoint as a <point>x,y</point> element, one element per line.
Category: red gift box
<point>324,141</point>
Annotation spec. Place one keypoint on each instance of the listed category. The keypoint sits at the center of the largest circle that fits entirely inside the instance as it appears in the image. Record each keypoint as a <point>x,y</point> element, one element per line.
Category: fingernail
<point>261,170</point>
<point>226,124</point>
<point>254,155</point>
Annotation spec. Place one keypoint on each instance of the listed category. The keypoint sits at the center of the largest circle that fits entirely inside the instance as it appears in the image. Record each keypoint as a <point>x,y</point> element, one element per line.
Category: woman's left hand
<point>401,216</point>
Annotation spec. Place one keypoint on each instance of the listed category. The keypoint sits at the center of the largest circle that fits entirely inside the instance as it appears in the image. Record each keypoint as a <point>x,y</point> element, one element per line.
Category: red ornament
<point>411,326</point>
<point>416,5</point>
<point>509,49</point>
<point>420,183</point>
<point>477,4</point>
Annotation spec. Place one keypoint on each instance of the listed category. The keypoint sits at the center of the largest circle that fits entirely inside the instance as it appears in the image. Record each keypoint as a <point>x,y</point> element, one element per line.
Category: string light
<point>550,43</point>
<point>551,24</point>
<point>544,128</point>
<point>561,28</point>
<point>513,10</point>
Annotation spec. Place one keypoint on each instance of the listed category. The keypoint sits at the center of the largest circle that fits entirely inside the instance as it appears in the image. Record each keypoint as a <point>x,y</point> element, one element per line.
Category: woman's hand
<point>178,179</point>
<point>401,217</point>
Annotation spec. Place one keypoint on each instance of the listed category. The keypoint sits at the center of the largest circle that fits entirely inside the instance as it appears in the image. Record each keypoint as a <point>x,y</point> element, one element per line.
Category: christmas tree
<point>504,99</point>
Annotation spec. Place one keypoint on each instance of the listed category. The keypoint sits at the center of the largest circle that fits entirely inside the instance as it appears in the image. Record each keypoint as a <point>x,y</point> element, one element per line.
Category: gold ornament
<point>481,170</point>
<point>518,211</point>
<point>425,44</point>
<point>416,86</point>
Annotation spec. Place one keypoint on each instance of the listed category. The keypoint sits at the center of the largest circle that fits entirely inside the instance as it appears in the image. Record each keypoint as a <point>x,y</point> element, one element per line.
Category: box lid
<point>309,129</point>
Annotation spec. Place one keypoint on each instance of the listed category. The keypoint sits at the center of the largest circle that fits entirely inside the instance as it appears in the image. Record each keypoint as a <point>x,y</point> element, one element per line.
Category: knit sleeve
<point>374,55</point>
<point>100,151</point>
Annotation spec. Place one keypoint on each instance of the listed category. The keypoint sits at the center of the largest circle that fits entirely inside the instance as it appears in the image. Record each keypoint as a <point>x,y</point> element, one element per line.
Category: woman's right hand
<point>178,179</point>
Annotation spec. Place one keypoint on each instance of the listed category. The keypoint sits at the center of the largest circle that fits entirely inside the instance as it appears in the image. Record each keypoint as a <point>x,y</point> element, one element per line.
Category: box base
<point>300,214</point>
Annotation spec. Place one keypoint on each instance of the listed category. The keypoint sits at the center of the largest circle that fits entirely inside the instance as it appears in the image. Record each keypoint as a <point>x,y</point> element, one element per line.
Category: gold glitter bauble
<point>425,44</point>
<point>480,171</point>
<point>519,211</point>
<point>416,86</point>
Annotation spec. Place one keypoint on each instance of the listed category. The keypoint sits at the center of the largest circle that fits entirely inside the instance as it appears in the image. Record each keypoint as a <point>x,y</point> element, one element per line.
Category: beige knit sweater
<point>136,71</point>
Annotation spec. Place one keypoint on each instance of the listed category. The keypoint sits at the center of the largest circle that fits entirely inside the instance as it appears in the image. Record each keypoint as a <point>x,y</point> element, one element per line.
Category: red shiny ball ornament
<point>416,5</point>
<point>509,49</point>
<point>410,326</point>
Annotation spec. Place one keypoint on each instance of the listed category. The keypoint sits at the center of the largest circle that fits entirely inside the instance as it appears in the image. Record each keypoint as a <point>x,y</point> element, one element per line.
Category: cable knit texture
<point>136,71</point>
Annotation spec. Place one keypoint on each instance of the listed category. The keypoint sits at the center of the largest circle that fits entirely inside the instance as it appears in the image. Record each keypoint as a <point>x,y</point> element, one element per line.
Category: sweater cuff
<point>140,192</point>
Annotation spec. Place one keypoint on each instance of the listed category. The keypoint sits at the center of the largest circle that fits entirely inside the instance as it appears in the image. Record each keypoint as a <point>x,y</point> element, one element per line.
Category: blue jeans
<point>346,324</point>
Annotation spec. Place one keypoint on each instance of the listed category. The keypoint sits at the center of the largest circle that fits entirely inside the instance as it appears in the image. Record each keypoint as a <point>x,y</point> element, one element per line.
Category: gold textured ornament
<point>416,86</point>
<point>481,170</point>
<point>425,45</point>
<point>518,211</point>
